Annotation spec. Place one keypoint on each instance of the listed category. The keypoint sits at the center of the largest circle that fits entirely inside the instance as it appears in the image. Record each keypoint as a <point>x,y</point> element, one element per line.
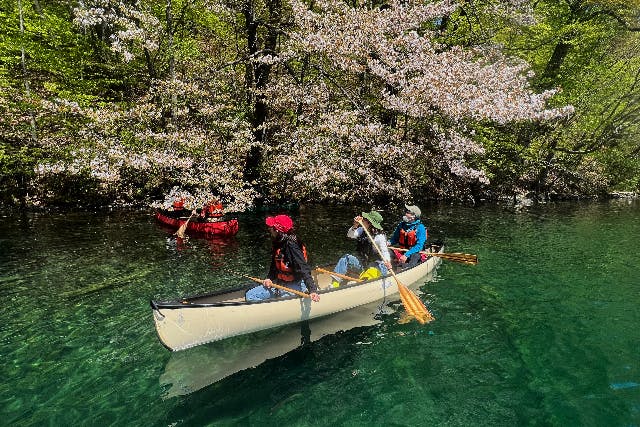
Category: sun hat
<point>414,210</point>
<point>374,218</point>
<point>282,223</point>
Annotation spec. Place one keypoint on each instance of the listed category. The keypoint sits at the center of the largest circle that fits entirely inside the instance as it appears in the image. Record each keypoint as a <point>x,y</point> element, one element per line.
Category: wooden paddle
<point>457,257</point>
<point>342,276</point>
<point>183,227</point>
<point>275,285</point>
<point>412,304</point>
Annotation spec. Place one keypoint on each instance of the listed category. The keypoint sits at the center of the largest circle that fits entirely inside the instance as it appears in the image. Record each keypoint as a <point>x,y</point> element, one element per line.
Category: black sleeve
<point>300,266</point>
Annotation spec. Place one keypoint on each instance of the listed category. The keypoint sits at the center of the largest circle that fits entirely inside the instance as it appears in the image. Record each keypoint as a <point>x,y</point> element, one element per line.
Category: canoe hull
<point>220,228</point>
<point>191,322</point>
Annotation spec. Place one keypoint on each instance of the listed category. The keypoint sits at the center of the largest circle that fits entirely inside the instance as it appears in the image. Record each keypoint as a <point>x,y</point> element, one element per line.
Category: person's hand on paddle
<point>402,259</point>
<point>356,221</point>
<point>267,283</point>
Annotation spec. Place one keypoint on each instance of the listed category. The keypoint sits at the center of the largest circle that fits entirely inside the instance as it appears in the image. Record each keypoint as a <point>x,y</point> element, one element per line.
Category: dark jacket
<point>293,256</point>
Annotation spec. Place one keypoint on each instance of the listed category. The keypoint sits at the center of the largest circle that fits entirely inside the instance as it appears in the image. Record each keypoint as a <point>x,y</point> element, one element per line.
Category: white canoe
<point>192,321</point>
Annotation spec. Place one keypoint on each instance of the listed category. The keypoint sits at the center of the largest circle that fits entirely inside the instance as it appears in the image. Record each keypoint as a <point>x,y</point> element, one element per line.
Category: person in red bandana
<point>289,266</point>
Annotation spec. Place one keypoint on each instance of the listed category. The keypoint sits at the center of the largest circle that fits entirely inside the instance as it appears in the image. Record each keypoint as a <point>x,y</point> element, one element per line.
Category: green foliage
<point>585,49</point>
<point>86,101</point>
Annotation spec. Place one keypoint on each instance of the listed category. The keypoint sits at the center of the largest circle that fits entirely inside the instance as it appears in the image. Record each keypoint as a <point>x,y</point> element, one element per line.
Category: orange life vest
<point>407,238</point>
<point>285,273</point>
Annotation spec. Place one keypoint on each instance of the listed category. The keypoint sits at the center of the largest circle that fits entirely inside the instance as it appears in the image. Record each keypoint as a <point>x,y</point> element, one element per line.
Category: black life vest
<point>364,247</point>
<point>284,271</point>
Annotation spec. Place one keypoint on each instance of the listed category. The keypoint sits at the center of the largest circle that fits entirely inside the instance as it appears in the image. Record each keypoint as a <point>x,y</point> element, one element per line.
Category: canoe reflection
<point>190,370</point>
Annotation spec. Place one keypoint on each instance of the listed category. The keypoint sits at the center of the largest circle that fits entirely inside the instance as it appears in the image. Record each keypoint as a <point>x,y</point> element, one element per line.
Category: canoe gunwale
<point>178,303</point>
<point>185,302</point>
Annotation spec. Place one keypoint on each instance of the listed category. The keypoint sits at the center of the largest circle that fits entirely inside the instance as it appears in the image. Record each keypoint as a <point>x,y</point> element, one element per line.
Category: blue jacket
<point>421,235</point>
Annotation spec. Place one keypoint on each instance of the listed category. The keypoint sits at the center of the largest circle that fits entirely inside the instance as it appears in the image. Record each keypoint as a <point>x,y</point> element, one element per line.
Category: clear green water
<point>545,330</point>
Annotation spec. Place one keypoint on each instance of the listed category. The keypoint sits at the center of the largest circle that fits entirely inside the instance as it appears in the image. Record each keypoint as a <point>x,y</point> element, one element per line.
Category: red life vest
<point>285,273</point>
<point>214,210</point>
<point>407,238</point>
<point>178,204</point>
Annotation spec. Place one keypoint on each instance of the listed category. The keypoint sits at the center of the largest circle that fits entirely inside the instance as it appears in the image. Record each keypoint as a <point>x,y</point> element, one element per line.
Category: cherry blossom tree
<point>376,103</point>
<point>183,129</point>
<point>249,99</point>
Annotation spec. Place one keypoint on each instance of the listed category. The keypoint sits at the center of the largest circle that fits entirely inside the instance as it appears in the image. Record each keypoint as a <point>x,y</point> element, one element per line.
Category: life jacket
<point>178,204</point>
<point>214,210</point>
<point>407,238</point>
<point>284,272</point>
<point>364,247</point>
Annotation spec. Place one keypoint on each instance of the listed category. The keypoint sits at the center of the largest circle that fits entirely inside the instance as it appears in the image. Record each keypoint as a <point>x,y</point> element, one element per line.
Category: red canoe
<point>197,225</point>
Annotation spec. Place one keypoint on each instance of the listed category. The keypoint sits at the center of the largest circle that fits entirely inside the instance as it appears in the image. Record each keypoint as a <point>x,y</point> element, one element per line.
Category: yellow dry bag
<point>370,274</point>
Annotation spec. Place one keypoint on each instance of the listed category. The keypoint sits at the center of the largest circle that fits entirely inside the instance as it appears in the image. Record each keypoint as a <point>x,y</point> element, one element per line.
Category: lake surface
<point>545,330</point>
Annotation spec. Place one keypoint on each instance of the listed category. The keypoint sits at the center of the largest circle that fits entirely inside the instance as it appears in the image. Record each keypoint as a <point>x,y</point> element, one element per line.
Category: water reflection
<point>190,370</point>
<point>217,247</point>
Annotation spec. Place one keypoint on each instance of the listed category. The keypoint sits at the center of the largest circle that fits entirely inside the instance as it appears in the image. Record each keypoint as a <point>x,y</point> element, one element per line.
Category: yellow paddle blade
<point>181,230</point>
<point>405,318</point>
<point>183,227</point>
<point>458,257</point>
<point>414,306</point>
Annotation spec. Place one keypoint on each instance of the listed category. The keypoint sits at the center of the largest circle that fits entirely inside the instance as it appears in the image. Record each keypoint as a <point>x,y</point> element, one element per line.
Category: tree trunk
<point>27,88</point>
<point>257,78</point>
<point>555,62</point>
<point>172,61</point>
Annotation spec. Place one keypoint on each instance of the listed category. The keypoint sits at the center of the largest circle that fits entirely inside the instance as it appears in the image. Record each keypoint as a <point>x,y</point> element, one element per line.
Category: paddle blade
<point>181,230</point>
<point>458,257</point>
<point>413,305</point>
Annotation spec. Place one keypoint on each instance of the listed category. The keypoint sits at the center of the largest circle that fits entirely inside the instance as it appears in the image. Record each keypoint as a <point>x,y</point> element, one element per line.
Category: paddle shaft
<point>183,227</point>
<point>375,245</point>
<point>342,276</point>
<point>373,242</point>
<point>457,257</point>
<point>275,285</point>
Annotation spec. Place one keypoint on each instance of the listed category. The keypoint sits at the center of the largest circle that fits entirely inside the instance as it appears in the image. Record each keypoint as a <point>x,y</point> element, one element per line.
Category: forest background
<point>121,102</point>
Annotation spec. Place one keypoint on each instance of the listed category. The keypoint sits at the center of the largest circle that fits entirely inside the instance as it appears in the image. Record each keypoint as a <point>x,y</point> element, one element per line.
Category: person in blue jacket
<point>410,234</point>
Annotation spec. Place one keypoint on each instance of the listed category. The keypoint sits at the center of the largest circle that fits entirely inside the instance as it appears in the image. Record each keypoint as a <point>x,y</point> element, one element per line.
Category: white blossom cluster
<point>336,144</point>
<point>423,76</point>
<point>130,27</point>
<point>340,154</point>
<point>241,200</point>
<point>455,148</point>
<point>127,146</point>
